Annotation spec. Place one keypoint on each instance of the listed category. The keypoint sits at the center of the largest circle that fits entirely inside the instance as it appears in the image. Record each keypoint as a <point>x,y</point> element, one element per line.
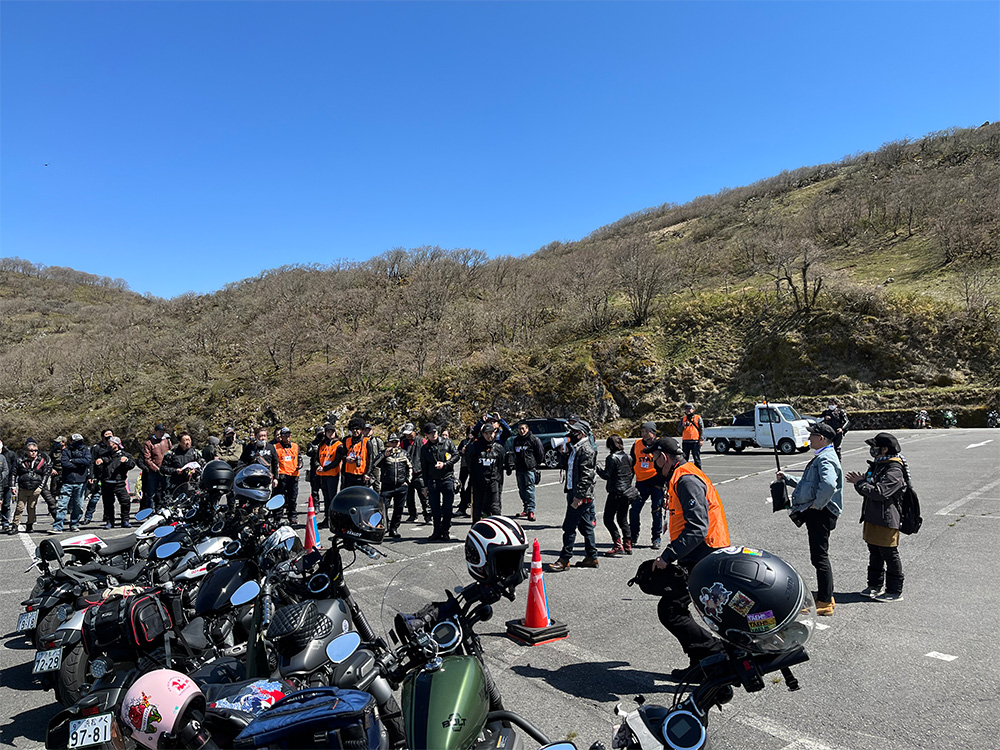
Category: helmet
<point>753,599</point>
<point>253,482</point>
<point>155,703</point>
<point>358,513</point>
<point>217,475</point>
<point>494,551</point>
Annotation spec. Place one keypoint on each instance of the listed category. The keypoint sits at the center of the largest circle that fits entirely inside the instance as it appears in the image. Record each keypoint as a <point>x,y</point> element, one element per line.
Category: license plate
<point>27,621</point>
<point>90,731</point>
<point>47,661</point>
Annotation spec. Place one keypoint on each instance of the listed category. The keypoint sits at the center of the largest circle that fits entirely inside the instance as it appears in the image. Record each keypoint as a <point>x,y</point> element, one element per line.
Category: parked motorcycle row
<point>211,627</point>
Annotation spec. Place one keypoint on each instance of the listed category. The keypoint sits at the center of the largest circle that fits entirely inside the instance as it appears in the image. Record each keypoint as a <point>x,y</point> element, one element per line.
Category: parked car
<point>754,428</point>
<point>545,428</point>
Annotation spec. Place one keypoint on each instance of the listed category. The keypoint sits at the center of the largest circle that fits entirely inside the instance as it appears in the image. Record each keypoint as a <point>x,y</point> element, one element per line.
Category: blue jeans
<point>582,519</point>
<point>92,502</point>
<point>7,507</point>
<point>647,491</point>
<point>71,495</point>
<point>526,489</point>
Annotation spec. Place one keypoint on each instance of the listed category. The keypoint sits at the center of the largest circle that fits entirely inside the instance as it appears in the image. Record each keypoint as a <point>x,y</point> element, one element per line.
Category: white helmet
<point>494,551</point>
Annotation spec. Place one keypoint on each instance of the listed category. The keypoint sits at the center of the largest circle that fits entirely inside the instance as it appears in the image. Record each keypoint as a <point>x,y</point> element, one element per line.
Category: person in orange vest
<point>649,485</point>
<point>358,457</point>
<point>289,466</point>
<point>697,527</point>
<point>691,429</point>
<point>329,459</point>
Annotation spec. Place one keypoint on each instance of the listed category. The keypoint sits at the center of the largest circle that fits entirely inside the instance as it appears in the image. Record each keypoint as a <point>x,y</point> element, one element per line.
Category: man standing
<point>262,452</point>
<point>357,455</point>
<point>329,457</point>
<point>697,527</point>
<point>394,472</point>
<point>114,467</point>
<point>649,485</point>
<point>818,500</point>
<point>289,467</point>
<point>412,444</point>
<point>581,478</point>
<point>229,449</point>
<point>692,430</point>
<point>374,441</point>
<point>31,471</point>
<point>312,450</point>
<point>7,463</point>
<point>486,459</point>
<point>837,419</point>
<point>153,452</point>
<point>438,457</point>
<point>76,463</point>
<point>528,456</point>
<point>97,451</point>
<point>177,464</point>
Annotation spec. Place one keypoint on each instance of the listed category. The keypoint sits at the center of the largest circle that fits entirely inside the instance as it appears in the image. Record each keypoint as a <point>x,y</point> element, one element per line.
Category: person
<point>76,464</point>
<point>411,443</point>
<point>177,463</point>
<point>312,451</point>
<point>617,472</point>
<point>289,467</point>
<point>692,431</point>
<point>580,463</point>
<point>528,456</point>
<point>882,487</point>
<point>113,468</point>
<point>464,487</point>
<point>230,448</point>
<point>47,495</point>
<point>486,459</point>
<point>501,432</point>
<point>838,420</point>
<point>153,451</point>
<point>30,473</point>
<point>357,456</point>
<point>648,486</point>
<point>438,457</point>
<point>97,451</point>
<point>696,524</point>
<point>329,458</point>
<point>395,471</point>
<point>376,443</point>
<point>7,463</point>
<point>260,451</point>
<point>818,499</point>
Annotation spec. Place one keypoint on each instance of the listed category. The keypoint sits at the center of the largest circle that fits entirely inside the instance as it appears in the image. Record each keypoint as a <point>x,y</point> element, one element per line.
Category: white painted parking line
<point>398,560</point>
<point>978,445</point>
<point>11,592</point>
<point>29,546</point>
<point>946,510</point>
<point>821,626</point>
<point>796,740</point>
<point>942,657</point>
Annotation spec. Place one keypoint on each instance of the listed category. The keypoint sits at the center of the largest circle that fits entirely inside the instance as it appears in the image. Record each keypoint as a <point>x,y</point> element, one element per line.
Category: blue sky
<point>190,144</point>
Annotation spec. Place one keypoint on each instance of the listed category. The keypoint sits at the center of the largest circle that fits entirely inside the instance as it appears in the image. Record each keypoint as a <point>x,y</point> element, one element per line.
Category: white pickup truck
<point>753,429</point>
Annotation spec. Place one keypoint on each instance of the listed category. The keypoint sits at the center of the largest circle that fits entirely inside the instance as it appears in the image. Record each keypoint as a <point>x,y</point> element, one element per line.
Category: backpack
<point>909,510</point>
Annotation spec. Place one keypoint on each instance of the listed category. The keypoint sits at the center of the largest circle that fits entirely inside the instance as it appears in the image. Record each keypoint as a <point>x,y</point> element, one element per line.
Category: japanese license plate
<point>90,731</point>
<point>27,621</point>
<point>47,661</point>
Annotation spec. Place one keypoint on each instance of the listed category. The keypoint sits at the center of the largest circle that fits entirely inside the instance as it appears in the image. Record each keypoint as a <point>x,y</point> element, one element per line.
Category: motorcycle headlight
<point>63,612</point>
<point>100,667</point>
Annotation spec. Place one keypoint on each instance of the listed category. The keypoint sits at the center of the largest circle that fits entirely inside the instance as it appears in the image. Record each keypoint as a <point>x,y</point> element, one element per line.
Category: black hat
<point>356,423</point>
<point>822,428</point>
<point>429,428</point>
<point>159,426</point>
<point>30,441</point>
<point>328,426</point>
<point>651,426</point>
<point>285,431</point>
<point>578,425</point>
<point>885,440</point>
<point>664,445</point>
<point>393,438</point>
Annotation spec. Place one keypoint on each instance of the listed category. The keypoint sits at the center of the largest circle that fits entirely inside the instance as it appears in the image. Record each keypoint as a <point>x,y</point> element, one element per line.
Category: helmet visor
<point>794,632</point>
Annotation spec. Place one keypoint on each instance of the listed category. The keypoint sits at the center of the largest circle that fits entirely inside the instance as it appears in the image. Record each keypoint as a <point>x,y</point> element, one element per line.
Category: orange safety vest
<point>718,530</point>
<point>357,456</point>
<point>288,459</point>
<point>327,453</point>
<point>643,468</point>
<point>690,427</point>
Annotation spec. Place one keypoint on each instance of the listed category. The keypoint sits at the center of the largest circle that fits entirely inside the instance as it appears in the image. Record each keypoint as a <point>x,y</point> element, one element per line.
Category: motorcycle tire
<point>72,676</point>
<point>47,626</point>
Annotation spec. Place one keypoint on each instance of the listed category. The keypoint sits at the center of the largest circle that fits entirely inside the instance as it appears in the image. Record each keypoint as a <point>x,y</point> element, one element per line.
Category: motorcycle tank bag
<point>325,717</point>
<point>125,627</point>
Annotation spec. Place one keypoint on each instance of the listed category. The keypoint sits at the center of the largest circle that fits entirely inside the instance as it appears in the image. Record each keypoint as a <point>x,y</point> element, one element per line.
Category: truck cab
<point>754,429</point>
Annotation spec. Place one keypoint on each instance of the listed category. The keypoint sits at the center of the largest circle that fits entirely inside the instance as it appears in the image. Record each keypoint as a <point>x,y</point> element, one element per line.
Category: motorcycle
<point>993,419</point>
<point>921,419</point>
<point>948,417</point>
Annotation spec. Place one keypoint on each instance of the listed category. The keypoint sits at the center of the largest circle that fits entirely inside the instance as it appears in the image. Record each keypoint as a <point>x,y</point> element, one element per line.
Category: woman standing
<point>882,488</point>
<point>617,472</point>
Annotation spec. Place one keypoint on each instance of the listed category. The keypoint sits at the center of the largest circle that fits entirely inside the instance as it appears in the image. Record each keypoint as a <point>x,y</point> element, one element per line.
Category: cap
<point>229,430</point>
<point>61,439</point>
<point>487,426</point>
<point>115,440</point>
<point>393,438</point>
<point>30,441</point>
<point>664,445</point>
<point>159,426</point>
<point>285,431</point>
<point>408,428</point>
<point>369,426</point>
<point>651,426</point>
<point>212,440</point>
<point>579,425</point>
<point>822,428</point>
<point>688,406</point>
<point>885,440</point>
<point>76,437</point>
<point>328,426</point>
<point>429,428</point>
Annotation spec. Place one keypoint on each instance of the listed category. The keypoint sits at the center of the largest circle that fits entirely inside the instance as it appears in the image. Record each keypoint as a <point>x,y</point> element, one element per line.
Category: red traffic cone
<point>537,627</point>
<point>312,530</point>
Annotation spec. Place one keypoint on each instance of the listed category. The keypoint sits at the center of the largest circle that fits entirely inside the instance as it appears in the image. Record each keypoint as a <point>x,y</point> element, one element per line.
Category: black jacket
<point>836,418</point>
<point>882,489</point>
<point>485,462</point>
<point>394,467</point>
<point>617,471</point>
<point>32,472</point>
<point>114,471</point>
<point>580,482</point>
<point>76,461</point>
<point>414,451</point>
<point>528,453</point>
<point>175,460</point>
<point>265,456</point>
<point>444,451</point>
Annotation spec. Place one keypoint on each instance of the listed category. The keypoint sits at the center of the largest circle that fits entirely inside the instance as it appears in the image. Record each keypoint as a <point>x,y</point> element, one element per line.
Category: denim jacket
<point>821,485</point>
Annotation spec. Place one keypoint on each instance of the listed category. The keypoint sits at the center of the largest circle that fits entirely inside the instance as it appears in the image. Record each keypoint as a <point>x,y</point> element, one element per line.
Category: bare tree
<point>641,273</point>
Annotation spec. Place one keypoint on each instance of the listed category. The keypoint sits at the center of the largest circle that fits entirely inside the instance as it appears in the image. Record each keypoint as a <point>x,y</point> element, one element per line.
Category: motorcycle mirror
<point>275,503</point>
<point>180,497</point>
<point>162,531</point>
<point>341,647</point>
<point>233,548</point>
<point>245,593</point>
<point>559,746</point>
<point>318,583</point>
<point>217,527</point>
<point>169,549</point>
<point>143,514</point>
<point>190,512</point>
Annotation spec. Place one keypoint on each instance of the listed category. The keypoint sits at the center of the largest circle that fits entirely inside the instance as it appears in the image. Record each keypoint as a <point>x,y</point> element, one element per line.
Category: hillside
<point>875,279</point>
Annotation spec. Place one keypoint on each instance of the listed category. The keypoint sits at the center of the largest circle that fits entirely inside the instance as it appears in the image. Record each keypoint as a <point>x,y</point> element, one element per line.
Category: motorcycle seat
<point>194,635</point>
<point>224,670</point>
<point>125,575</point>
<point>117,546</point>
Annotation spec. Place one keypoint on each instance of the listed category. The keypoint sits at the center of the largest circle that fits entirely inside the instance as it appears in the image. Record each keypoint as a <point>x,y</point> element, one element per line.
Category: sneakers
<point>889,597</point>
<point>587,562</point>
<point>74,528</point>
<point>88,519</point>
<point>126,525</point>
<point>655,544</point>
<point>531,516</point>
<point>559,566</point>
<point>109,525</point>
<point>872,592</point>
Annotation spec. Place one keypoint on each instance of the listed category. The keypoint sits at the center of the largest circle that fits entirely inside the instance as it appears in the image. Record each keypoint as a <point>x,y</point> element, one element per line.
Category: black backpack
<point>909,508</point>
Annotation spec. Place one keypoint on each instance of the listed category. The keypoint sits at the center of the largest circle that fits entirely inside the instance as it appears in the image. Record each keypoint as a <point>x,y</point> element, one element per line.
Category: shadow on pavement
<point>28,725</point>
<point>578,679</point>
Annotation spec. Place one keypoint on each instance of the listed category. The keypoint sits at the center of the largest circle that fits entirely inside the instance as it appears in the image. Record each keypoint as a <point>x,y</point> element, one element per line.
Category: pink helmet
<point>155,702</point>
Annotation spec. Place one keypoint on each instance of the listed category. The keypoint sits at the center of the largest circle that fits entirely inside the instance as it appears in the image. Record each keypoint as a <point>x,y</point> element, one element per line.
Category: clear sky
<point>190,144</point>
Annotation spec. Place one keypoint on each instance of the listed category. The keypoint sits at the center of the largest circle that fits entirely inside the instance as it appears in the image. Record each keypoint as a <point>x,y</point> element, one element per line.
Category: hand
<point>854,477</point>
<point>659,564</point>
<point>577,502</point>
<point>439,465</point>
<point>98,462</point>
<point>274,483</point>
<point>124,459</point>
<point>780,476</point>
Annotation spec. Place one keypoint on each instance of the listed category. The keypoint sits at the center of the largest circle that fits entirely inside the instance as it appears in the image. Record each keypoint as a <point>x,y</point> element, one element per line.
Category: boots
<point>616,549</point>
<point>825,609</point>
<point>627,547</point>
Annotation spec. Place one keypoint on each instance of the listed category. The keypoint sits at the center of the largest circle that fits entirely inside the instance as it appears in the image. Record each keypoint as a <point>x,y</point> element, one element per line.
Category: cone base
<point>518,631</point>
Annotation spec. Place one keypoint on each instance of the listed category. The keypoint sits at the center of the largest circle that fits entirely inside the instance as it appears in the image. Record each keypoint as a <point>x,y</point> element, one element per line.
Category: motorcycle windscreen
<point>445,709</point>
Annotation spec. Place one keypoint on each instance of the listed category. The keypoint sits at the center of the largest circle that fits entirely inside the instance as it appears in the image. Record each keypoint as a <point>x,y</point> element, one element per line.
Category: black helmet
<point>217,475</point>
<point>358,513</point>
<point>494,552</point>
<point>253,482</point>
<point>753,599</point>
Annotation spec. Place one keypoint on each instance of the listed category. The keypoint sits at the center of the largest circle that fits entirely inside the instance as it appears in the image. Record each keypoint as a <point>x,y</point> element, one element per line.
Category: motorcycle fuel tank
<point>447,707</point>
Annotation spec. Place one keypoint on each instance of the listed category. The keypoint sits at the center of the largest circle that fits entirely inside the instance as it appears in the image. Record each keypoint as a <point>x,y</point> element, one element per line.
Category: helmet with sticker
<point>156,704</point>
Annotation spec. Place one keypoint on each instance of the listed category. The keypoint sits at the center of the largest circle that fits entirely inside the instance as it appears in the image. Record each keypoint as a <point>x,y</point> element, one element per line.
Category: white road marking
<point>946,510</point>
<point>821,626</point>
<point>399,560</point>
<point>29,546</point>
<point>10,592</point>
<point>978,445</point>
<point>796,740</point>
<point>942,657</point>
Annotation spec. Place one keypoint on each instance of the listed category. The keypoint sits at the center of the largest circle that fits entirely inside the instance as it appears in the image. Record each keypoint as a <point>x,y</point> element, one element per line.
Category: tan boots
<point>825,609</point>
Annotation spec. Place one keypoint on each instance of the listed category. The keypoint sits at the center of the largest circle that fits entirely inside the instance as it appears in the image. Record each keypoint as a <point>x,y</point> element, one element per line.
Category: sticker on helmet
<point>142,715</point>
<point>741,603</point>
<point>750,551</point>
<point>728,550</point>
<point>761,622</point>
<point>714,599</point>
<point>178,684</point>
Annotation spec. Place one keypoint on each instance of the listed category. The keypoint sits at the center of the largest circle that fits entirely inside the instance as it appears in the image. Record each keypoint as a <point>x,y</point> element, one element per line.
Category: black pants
<point>288,487</point>
<point>464,490</point>
<point>417,491</point>
<point>328,486</point>
<point>395,500</point>
<point>582,519</point>
<point>675,615</point>
<point>485,500</point>
<point>351,480</point>
<point>441,497</point>
<point>884,566</point>
<point>692,448</point>
<point>109,494</point>
<point>819,524</point>
<point>837,441</point>
<point>616,508</point>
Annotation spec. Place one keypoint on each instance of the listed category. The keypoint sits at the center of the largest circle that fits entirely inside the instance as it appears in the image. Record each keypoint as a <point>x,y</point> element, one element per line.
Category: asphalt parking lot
<point>921,673</point>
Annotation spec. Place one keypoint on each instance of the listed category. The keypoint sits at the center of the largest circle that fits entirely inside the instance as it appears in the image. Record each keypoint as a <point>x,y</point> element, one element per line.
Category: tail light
<point>90,710</point>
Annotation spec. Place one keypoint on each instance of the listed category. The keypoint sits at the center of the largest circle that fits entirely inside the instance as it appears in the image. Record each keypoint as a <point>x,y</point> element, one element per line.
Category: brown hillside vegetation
<point>875,278</point>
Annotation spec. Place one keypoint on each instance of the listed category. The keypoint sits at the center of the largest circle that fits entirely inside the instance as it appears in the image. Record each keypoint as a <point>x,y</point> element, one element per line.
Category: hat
<point>328,426</point>
<point>61,439</point>
<point>285,431</point>
<point>115,440</point>
<point>578,425</point>
<point>76,437</point>
<point>408,428</point>
<point>212,440</point>
<point>651,426</point>
<point>822,428</point>
<point>393,438</point>
<point>488,426</point>
<point>30,441</point>
<point>159,426</point>
<point>356,423</point>
<point>429,428</point>
<point>688,406</point>
<point>369,426</point>
<point>229,430</point>
<point>884,440</point>
<point>664,445</point>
